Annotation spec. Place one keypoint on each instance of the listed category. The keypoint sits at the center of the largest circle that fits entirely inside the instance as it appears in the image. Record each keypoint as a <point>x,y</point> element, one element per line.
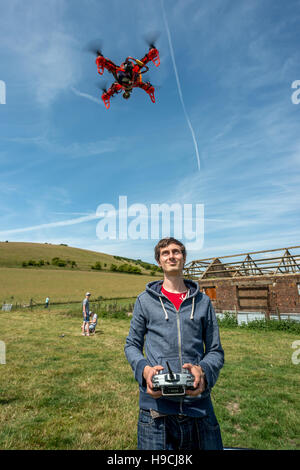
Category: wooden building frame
<point>267,281</point>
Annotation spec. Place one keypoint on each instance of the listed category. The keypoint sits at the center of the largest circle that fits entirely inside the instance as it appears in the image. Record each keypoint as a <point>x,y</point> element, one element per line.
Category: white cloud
<point>54,66</point>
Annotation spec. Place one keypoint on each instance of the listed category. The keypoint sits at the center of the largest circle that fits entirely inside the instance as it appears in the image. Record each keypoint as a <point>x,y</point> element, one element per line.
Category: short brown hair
<point>166,242</point>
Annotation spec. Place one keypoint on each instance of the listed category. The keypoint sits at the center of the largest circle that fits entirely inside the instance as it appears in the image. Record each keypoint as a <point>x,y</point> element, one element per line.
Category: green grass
<point>256,397</point>
<point>76,392</point>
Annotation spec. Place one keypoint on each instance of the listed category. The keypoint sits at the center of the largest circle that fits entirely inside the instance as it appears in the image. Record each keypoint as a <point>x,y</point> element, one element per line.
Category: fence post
<point>2,352</point>
<point>278,313</point>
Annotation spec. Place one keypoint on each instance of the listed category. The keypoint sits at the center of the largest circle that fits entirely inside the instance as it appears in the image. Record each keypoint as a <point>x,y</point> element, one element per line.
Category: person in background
<point>93,323</point>
<point>47,302</point>
<point>86,314</point>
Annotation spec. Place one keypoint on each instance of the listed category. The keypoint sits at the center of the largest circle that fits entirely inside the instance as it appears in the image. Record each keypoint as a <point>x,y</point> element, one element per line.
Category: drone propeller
<point>94,47</point>
<point>102,86</point>
<point>151,38</point>
<point>156,86</point>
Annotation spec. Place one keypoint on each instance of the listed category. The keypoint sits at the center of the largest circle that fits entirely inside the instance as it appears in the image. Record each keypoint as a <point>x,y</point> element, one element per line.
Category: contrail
<point>85,95</point>
<point>62,223</point>
<point>178,84</point>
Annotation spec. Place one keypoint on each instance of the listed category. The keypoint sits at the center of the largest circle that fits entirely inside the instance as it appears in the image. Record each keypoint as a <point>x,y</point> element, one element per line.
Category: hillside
<point>62,282</point>
<point>16,254</point>
<point>20,285</point>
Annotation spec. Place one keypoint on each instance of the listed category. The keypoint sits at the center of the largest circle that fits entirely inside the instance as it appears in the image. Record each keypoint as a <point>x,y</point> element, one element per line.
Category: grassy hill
<point>21,285</point>
<point>14,254</point>
<point>64,284</point>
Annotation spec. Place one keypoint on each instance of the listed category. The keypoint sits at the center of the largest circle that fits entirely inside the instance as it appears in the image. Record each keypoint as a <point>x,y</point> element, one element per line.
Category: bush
<point>97,266</point>
<point>147,266</point>
<point>290,326</point>
<point>32,262</point>
<point>230,321</point>
<point>59,262</point>
<point>125,268</point>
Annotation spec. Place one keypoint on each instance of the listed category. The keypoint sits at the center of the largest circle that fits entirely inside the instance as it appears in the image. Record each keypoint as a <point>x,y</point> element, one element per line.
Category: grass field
<point>20,285</point>
<point>74,392</point>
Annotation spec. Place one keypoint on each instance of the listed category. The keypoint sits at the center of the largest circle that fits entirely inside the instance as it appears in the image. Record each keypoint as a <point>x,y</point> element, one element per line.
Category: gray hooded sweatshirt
<point>190,334</point>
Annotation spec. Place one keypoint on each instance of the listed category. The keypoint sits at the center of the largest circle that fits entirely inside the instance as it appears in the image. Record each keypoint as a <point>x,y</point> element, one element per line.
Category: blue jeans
<point>178,433</point>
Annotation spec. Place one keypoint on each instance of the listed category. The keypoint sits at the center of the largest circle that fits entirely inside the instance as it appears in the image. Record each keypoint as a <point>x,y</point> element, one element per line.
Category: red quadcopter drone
<point>128,75</point>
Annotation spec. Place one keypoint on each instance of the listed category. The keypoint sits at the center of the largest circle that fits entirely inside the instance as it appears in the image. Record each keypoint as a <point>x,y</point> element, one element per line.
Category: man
<point>47,302</point>
<point>86,315</point>
<point>177,323</point>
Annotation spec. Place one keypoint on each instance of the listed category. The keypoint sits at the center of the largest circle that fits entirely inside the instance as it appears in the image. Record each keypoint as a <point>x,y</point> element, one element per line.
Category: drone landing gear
<point>148,89</point>
<point>115,88</point>
<point>151,94</point>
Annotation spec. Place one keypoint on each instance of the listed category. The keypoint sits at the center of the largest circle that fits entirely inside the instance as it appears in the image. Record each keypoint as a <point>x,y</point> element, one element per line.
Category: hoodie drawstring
<point>166,313</point>
<point>193,308</point>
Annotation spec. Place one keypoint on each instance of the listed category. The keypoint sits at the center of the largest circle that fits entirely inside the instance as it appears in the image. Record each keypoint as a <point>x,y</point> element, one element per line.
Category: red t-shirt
<point>175,298</point>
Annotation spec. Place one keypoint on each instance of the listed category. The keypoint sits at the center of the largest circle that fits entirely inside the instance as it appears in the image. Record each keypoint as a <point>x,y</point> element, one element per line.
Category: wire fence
<point>110,305</point>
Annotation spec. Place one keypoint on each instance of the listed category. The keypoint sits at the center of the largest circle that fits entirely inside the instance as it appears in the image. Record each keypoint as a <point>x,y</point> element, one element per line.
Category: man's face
<point>171,259</point>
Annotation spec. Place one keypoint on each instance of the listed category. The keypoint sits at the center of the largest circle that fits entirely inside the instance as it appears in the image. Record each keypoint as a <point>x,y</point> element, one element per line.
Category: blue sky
<point>62,154</point>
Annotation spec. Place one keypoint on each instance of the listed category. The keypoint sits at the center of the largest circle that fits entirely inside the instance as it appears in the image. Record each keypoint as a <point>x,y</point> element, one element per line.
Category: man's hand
<point>199,382</point>
<point>148,374</point>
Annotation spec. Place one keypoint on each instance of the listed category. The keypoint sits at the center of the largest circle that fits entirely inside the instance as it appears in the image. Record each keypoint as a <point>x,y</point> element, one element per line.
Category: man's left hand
<point>199,382</point>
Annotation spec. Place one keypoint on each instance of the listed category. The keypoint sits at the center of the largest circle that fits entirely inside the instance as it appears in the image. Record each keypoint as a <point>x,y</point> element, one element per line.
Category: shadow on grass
<point>7,401</point>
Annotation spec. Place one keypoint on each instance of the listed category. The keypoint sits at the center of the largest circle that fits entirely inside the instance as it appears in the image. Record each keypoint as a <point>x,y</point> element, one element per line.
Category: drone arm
<point>153,55</point>
<point>115,88</point>
<point>103,63</point>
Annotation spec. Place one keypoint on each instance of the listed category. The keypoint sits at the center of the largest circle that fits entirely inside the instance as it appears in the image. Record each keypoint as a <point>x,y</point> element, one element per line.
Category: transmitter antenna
<point>172,377</point>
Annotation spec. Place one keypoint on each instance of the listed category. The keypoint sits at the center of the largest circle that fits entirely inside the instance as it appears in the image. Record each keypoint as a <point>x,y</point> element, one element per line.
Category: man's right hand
<point>148,374</point>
